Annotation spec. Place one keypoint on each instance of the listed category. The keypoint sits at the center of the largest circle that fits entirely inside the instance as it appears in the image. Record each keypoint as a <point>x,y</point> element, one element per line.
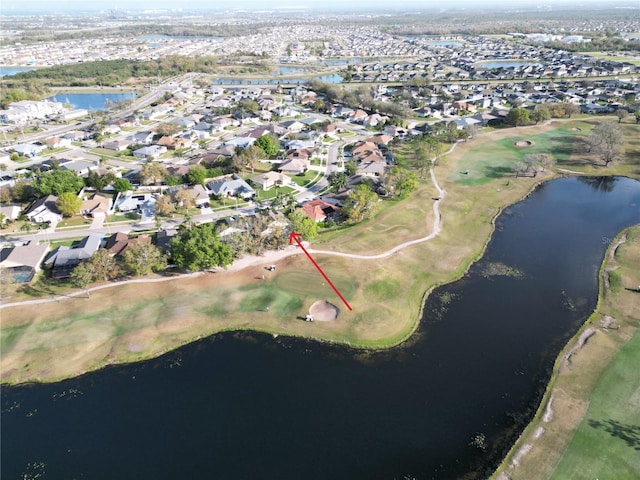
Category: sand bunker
<point>523,143</point>
<point>324,311</point>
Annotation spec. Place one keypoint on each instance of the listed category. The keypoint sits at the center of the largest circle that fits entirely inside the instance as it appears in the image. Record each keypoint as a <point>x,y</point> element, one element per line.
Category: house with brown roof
<point>270,179</point>
<point>294,166</point>
<point>319,210</point>
<point>117,243</point>
<point>96,206</point>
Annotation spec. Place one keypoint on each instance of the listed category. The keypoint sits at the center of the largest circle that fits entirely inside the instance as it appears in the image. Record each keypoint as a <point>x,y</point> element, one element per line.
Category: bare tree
<point>606,140</point>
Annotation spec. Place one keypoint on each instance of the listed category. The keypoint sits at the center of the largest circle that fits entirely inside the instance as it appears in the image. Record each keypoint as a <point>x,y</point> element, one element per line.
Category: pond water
<point>91,101</point>
<point>250,406</point>
<point>8,71</point>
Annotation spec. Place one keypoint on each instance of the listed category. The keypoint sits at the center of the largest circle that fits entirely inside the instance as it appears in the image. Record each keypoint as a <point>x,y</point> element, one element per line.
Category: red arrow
<point>296,236</point>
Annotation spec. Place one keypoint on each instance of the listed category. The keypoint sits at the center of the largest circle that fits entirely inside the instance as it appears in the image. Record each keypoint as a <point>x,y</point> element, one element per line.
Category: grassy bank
<point>587,425</point>
<point>133,322</point>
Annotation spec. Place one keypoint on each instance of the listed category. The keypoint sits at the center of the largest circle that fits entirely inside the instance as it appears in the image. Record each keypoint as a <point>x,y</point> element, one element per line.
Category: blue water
<point>90,101</point>
<point>289,70</point>
<point>7,71</point>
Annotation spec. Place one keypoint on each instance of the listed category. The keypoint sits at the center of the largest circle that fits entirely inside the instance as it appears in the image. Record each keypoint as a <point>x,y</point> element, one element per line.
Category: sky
<point>8,6</point>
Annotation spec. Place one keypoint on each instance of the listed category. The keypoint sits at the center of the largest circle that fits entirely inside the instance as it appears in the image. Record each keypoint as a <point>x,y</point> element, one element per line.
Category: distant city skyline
<point>67,6</point>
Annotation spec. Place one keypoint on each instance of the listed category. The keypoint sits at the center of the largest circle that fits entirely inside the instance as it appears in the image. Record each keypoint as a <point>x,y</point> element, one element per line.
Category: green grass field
<point>607,442</point>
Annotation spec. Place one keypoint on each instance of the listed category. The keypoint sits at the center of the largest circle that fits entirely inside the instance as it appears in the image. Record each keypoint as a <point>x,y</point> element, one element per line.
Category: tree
<point>168,129</point>
<point>164,205</point>
<point>401,181</point>
<point>637,115</point>
<point>57,182</point>
<point>303,225</point>
<point>540,114</point>
<point>200,247</point>
<point>606,139</point>
<point>103,265</point>
<point>98,137</point>
<point>122,185</point>
<point>143,259</point>
<point>518,117</point>
<point>621,114</point>
<point>94,180</point>
<point>269,145</point>
<point>338,180</point>
<point>350,167</point>
<point>152,173</point>
<point>197,175</point>
<point>361,203</point>
<point>184,199</point>
<point>68,203</point>
<point>82,275</point>
<point>571,109</point>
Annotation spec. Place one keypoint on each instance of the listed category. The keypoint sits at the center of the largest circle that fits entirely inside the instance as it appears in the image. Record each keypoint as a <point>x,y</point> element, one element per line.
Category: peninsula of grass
<point>588,424</point>
<point>135,321</point>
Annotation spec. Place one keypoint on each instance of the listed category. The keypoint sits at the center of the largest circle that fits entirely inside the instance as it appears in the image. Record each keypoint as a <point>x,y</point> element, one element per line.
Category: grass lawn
<point>272,192</point>
<point>74,222</point>
<point>136,321</point>
<point>303,180</point>
<point>611,425</point>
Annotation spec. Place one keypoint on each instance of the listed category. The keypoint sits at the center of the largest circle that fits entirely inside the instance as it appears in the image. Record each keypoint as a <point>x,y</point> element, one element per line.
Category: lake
<point>91,101</point>
<point>8,71</point>
<point>328,78</point>
<point>236,406</point>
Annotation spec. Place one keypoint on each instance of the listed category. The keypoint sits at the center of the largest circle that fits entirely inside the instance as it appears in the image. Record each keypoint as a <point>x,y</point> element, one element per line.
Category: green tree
<point>197,175</point>
<point>57,182</point>
<point>350,168</point>
<point>518,117</point>
<point>269,145</point>
<point>184,199</point>
<point>338,180</point>
<point>402,181</point>
<point>94,180</point>
<point>122,185</point>
<point>303,225</point>
<point>143,259</point>
<point>540,114</point>
<point>621,114</point>
<point>104,265</point>
<point>68,203</point>
<point>168,129</point>
<point>82,275</point>
<point>22,191</point>
<point>200,247</point>
<point>361,203</point>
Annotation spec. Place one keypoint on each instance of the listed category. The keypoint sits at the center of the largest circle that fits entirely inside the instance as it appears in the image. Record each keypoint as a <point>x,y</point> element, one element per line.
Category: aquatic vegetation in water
<point>497,269</point>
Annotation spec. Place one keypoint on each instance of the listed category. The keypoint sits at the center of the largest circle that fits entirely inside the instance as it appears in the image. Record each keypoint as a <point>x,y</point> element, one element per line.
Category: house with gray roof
<point>230,186</point>
<point>64,259</point>
<point>44,210</point>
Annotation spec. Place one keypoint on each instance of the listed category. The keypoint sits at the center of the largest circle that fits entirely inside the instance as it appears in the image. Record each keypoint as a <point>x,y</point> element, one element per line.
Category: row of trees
<point>138,259</point>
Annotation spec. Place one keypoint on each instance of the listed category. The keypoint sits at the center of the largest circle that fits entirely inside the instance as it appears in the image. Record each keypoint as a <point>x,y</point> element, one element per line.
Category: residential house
<point>292,126</point>
<point>27,149</point>
<point>79,167</point>
<point>117,145</point>
<point>199,194</point>
<point>319,210</point>
<point>64,259</point>
<point>163,238</point>
<point>174,143</point>
<point>153,151</point>
<point>23,261</point>
<point>96,206</point>
<point>294,166</point>
<point>77,135</point>
<point>144,138</point>
<point>44,210</point>
<point>9,212</point>
<point>117,243</point>
<point>230,186</point>
<point>57,142</point>
<point>270,179</point>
